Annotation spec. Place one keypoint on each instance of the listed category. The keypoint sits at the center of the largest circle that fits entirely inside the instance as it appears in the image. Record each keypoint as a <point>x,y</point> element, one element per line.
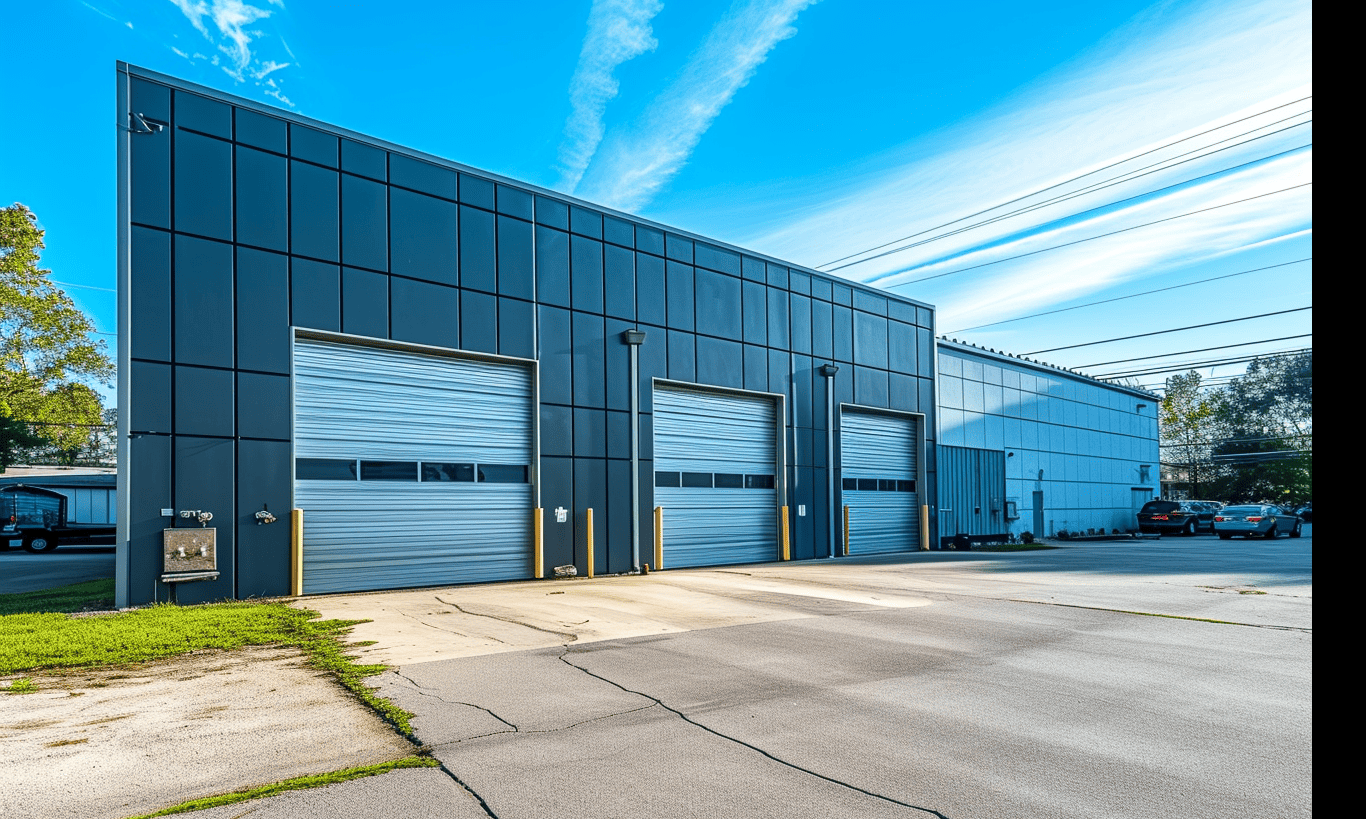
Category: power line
<point>1242,440</point>
<point>1132,295</point>
<point>1193,365</point>
<point>1068,181</point>
<point>1101,186</point>
<point>1089,238</point>
<point>1188,352</point>
<point>1173,330</point>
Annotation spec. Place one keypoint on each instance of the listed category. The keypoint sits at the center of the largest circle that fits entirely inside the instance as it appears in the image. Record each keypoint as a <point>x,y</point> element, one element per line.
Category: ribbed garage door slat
<point>369,404</point>
<point>879,448</point>
<point>710,433</point>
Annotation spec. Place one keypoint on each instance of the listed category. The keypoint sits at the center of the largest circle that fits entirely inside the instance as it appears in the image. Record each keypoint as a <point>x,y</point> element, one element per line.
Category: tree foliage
<point>1249,441</point>
<point>49,358</point>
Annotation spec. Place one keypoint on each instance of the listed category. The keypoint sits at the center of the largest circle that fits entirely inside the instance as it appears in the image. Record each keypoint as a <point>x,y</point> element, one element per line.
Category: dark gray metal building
<point>421,355</point>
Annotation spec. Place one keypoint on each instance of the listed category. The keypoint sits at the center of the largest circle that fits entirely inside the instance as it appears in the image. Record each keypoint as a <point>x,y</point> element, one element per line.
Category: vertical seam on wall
<point>341,247</point>
<point>236,403</point>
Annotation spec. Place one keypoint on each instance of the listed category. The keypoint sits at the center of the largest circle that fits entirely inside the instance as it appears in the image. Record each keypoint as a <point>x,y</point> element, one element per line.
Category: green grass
<point>298,783</point>
<point>46,641</point>
<point>92,595</point>
<point>23,685</point>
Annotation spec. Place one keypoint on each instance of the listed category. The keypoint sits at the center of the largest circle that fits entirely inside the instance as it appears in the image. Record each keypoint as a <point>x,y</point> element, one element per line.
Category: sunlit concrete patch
<point>425,625</point>
<point>120,742</point>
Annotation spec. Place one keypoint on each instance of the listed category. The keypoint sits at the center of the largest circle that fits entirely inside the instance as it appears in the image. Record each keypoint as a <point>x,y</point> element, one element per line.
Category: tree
<point>49,358</point>
<point>14,436</point>
<point>1188,429</point>
<point>1267,453</point>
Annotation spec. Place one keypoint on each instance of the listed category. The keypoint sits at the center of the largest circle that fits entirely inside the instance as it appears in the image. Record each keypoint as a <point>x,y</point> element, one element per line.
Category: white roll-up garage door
<point>878,472</point>
<point>716,477</point>
<point>412,469</point>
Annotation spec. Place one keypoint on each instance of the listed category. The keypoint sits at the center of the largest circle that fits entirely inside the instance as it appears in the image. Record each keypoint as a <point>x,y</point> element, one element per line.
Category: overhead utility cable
<point>1130,296</point>
<point>1109,183</point>
<point>1198,365</point>
<point>1173,330</point>
<point>1089,238</point>
<point>1068,181</point>
<point>1188,352</point>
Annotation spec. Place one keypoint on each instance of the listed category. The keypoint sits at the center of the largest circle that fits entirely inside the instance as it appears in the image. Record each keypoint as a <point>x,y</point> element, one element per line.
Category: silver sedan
<point>1256,521</point>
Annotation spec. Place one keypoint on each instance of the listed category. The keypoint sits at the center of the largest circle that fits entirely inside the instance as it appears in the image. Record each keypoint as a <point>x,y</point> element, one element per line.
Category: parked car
<point>1184,517</point>
<point>1256,520</point>
<point>1306,513</point>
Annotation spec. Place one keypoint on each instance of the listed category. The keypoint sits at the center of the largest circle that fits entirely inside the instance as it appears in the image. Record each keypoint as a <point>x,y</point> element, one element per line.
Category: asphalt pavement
<point>1032,684</point>
<point>21,571</point>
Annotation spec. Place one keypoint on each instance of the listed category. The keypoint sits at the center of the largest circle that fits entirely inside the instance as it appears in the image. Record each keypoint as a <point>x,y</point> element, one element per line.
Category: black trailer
<point>38,517</point>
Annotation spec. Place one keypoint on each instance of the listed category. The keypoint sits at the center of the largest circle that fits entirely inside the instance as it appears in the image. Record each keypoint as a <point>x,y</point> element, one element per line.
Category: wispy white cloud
<point>634,163</point>
<point>230,26</point>
<point>1179,71</point>
<point>618,31</point>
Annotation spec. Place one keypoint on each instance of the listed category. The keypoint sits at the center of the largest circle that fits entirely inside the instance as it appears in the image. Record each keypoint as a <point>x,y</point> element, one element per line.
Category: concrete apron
<point>425,625</point>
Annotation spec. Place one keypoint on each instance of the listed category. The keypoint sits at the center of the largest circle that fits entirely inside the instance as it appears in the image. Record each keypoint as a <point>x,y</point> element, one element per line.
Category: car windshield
<point>1160,507</point>
<point>1242,510</point>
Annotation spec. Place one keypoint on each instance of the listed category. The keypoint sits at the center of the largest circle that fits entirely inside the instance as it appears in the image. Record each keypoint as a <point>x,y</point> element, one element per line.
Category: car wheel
<point>1271,533</point>
<point>1189,531</point>
<point>1225,536</point>
<point>1296,532</point>
<point>40,542</point>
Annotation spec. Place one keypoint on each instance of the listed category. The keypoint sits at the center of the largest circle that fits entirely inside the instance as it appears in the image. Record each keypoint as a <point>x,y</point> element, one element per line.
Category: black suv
<point>1175,516</point>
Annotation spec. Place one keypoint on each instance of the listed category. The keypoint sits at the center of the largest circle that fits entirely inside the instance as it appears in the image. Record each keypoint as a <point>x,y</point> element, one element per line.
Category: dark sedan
<point>1175,516</point>
<point>1256,521</point>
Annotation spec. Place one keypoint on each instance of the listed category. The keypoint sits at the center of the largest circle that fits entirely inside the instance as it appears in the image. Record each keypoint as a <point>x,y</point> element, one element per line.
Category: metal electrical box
<point>189,550</point>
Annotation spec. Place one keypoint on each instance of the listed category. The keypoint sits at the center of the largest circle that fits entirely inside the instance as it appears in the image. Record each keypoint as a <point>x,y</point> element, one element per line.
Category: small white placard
<point>561,514</point>
<point>801,510</point>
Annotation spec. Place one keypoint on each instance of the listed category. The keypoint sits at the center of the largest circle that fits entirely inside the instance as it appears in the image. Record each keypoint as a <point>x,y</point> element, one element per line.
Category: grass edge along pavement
<point>298,783</point>
<point>56,641</point>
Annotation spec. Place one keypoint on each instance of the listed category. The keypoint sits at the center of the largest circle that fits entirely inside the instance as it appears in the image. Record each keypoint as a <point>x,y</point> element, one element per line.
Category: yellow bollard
<point>787,541</point>
<point>538,543</point>
<point>659,537</point>
<point>590,542</point>
<point>924,528</point>
<point>296,552</point>
<point>846,531</point>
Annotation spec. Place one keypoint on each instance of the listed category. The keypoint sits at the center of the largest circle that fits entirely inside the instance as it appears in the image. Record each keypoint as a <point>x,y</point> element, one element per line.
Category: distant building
<point>1026,446</point>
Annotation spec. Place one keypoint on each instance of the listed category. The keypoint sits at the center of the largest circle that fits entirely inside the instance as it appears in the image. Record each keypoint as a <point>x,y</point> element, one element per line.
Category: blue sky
<point>812,131</point>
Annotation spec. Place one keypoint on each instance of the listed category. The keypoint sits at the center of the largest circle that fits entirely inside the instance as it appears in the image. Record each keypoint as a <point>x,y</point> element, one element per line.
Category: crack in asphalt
<point>471,791</point>
<point>1269,627</point>
<point>564,659</point>
<point>516,729</point>
<point>447,630</point>
<point>563,634</point>
<point>423,690</point>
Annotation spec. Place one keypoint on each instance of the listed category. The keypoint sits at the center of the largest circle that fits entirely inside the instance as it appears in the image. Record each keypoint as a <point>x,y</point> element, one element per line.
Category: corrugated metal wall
<point>972,486</point>
<point>719,436</point>
<point>448,442</point>
<point>878,473</point>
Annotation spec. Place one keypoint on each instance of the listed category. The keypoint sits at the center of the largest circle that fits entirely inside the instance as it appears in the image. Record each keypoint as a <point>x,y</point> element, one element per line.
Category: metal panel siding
<point>367,403</point>
<point>880,446</point>
<point>971,491</point>
<point>710,432</point>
